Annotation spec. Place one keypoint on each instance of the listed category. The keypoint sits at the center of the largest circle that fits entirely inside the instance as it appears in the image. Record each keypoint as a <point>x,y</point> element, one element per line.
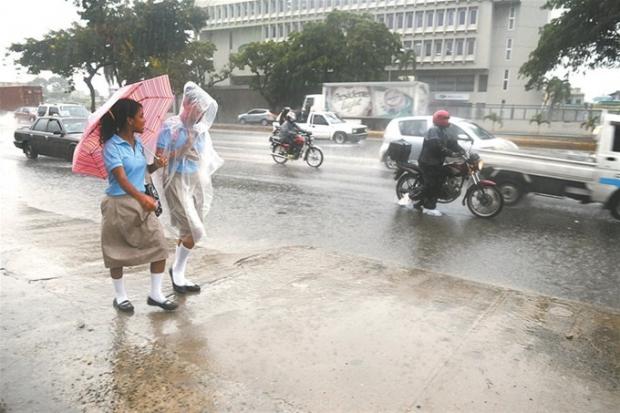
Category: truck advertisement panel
<point>380,100</point>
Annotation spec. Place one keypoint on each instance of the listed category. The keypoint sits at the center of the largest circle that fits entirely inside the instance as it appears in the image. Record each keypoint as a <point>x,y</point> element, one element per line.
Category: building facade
<point>468,51</point>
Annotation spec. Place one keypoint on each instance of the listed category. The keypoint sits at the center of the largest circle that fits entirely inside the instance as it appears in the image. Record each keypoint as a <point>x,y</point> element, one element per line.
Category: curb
<point>581,143</point>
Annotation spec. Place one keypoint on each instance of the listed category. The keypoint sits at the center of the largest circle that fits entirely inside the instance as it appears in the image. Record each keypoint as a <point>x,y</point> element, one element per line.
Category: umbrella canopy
<point>155,95</point>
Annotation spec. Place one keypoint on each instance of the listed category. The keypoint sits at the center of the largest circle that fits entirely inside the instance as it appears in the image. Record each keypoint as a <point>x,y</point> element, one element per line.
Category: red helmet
<point>441,118</point>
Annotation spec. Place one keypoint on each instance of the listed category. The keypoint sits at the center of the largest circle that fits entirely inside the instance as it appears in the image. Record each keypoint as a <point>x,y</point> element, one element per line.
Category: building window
<point>390,21</point>
<point>430,18</point>
<point>380,18</point>
<point>409,20</point>
<point>439,19</point>
<point>336,3</point>
<point>508,49</point>
<point>428,48</point>
<point>407,44</point>
<point>438,47</point>
<point>459,47</point>
<point>400,18</point>
<point>512,15</point>
<point>462,16</point>
<point>417,47</point>
<point>419,20</point>
<point>319,4</point>
<point>471,46</point>
<point>449,45</point>
<point>273,31</point>
<point>266,34</point>
<point>506,76</point>
<point>483,81</point>
<point>473,16</point>
<point>450,17</point>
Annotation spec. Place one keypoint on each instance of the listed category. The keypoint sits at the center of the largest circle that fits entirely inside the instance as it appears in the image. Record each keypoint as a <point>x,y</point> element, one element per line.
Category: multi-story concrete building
<point>469,51</point>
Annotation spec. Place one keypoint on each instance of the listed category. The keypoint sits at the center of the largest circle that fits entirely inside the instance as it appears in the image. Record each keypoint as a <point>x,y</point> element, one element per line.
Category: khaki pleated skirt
<point>185,198</point>
<point>129,235</point>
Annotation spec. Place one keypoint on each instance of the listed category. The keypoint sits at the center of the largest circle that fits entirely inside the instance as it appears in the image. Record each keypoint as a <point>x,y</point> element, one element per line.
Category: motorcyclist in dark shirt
<point>437,146</point>
<point>288,133</point>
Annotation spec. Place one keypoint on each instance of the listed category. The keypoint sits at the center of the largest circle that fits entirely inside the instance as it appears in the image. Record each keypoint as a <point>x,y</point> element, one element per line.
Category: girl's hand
<point>148,204</point>
<point>161,161</point>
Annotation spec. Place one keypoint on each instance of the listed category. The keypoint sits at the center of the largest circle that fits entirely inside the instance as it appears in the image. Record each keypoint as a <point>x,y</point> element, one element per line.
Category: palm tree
<point>590,123</point>
<point>405,59</point>
<point>494,118</point>
<point>539,119</point>
<point>556,91</point>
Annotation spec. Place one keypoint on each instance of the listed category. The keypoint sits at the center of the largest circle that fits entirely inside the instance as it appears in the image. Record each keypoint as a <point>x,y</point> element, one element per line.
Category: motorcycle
<point>483,198</point>
<point>310,153</point>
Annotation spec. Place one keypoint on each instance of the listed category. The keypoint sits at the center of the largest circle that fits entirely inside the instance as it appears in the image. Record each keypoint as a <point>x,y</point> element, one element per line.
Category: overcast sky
<point>20,19</point>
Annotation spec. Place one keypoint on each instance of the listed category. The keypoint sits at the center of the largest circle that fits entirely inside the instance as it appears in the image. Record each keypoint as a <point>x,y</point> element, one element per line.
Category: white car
<point>413,128</point>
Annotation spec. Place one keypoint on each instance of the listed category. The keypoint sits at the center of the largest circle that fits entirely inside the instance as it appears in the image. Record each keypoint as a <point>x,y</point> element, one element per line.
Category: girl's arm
<point>147,203</point>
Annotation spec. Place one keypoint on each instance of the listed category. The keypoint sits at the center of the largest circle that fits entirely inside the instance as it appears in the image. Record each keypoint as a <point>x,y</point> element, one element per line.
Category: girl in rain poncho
<point>186,182</point>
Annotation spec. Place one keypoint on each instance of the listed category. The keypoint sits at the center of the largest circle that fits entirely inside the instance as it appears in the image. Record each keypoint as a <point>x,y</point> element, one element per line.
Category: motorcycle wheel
<point>314,157</point>
<point>485,201</point>
<point>406,183</point>
<point>279,150</point>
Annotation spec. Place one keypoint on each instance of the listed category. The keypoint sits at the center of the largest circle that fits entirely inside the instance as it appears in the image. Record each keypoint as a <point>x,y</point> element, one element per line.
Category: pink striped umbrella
<point>155,95</point>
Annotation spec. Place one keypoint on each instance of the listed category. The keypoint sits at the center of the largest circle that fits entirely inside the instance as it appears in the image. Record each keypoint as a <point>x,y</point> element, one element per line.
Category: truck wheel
<point>614,205</point>
<point>511,191</point>
<point>29,151</point>
<point>340,137</point>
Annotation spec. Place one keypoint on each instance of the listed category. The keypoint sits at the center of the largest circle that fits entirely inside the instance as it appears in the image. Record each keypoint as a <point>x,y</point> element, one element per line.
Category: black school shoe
<point>182,289</point>
<point>125,306</point>
<point>166,305</point>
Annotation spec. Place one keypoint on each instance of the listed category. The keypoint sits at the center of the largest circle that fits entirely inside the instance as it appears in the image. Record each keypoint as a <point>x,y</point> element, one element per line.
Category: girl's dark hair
<point>116,118</point>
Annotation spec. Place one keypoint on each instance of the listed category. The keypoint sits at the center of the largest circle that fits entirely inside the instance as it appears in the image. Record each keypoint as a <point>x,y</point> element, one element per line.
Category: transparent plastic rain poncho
<point>185,186</point>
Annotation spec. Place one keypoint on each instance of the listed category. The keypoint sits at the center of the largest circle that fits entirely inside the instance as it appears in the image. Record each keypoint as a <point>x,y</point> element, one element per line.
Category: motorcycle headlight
<point>480,164</point>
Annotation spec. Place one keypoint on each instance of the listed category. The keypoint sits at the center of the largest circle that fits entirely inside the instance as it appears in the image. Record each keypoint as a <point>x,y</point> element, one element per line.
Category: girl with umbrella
<point>131,234</point>
<point>186,182</point>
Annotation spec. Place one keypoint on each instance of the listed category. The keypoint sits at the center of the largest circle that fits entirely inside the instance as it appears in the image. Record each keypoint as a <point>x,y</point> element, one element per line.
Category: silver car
<point>262,116</point>
<point>413,128</point>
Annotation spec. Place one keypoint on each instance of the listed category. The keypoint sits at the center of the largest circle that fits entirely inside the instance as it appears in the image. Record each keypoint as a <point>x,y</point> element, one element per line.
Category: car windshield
<point>477,130</point>
<point>333,118</point>
<point>75,125</point>
<point>74,111</point>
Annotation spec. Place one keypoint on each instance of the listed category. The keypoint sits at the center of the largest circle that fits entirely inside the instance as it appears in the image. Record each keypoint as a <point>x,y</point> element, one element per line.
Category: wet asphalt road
<point>554,247</point>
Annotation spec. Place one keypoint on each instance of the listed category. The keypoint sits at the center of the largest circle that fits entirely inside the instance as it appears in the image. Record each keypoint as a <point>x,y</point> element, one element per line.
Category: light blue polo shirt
<point>118,152</point>
<point>173,143</point>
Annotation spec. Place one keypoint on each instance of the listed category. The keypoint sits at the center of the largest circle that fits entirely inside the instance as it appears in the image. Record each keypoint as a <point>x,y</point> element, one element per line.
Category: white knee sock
<point>119,290</point>
<point>180,261</point>
<point>156,293</point>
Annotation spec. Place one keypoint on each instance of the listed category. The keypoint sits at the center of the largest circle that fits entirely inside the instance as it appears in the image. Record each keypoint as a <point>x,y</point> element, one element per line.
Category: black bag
<point>150,190</point>
<point>399,150</point>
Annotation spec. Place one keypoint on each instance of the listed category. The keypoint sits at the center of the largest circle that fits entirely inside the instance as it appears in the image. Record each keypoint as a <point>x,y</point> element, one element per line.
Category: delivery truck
<point>373,103</point>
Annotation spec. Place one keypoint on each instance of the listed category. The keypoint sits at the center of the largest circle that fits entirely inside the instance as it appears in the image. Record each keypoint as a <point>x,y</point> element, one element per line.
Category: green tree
<point>587,33</point>
<point>345,47</point>
<point>267,61</point>
<point>495,119</point>
<point>126,41</point>
<point>65,53</point>
<point>406,59</point>
<point>539,119</point>
<point>591,122</point>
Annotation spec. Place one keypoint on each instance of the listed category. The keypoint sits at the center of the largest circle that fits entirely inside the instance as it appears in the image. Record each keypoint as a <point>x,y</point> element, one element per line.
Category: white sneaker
<point>432,212</point>
<point>405,201</point>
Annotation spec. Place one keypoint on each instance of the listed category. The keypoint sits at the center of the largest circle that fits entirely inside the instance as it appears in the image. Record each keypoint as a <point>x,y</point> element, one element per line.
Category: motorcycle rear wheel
<point>485,201</point>
<point>279,150</point>
<point>406,183</point>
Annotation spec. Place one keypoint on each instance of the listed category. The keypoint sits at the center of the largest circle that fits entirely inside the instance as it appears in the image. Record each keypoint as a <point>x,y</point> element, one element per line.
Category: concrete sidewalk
<point>296,329</point>
<point>580,143</point>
